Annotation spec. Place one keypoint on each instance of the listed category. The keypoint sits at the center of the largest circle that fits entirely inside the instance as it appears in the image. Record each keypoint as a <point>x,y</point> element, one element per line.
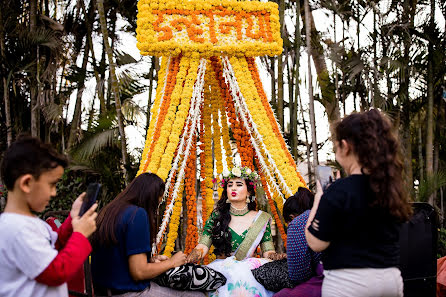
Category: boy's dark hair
<point>29,155</point>
<point>298,203</point>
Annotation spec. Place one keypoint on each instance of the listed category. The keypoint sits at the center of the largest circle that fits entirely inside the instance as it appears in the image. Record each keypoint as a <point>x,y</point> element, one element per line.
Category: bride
<point>235,229</point>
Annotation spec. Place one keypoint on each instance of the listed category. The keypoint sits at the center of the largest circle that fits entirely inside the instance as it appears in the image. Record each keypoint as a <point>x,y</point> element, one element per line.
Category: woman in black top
<point>357,220</point>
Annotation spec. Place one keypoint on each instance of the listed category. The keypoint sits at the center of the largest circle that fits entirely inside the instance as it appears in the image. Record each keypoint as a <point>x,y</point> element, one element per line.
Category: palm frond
<point>95,143</point>
<point>431,184</point>
<point>131,110</point>
<point>123,58</point>
<point>52,112</point>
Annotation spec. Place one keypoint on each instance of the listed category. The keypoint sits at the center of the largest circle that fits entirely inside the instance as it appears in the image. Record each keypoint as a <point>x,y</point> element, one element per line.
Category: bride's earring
<point>248,199</point>
<point>227,201</point>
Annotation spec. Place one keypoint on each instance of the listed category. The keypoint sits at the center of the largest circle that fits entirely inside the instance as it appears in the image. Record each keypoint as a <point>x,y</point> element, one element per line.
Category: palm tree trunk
<point>292,119</point>
<point>280,68</point>
<point>89,20</point>
<point>149,101</point>
<point>5,85</point>
<point>375,59</point>
<point>297,39</point>
<point>75,123</point>
<point>310,87</point>
<point>420,149</point>
<point>335,68</point>
<point>115,88</point>
<point>273,84</point>
<point>35,110</point>
<point>328,99</point>
<point>307,141</point>
<point>430,104</point>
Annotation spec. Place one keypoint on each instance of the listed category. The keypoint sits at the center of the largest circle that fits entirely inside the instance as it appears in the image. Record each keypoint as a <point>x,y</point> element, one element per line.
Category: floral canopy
<point>209,92</point>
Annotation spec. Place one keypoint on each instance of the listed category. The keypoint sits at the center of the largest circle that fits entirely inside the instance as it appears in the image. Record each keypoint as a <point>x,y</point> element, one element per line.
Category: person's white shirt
<point>26,249</point>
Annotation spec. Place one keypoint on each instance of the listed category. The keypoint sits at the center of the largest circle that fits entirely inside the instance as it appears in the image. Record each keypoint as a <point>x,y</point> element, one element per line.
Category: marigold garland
<point>155,110</point>
<point>258,83</point>
<point>273,207</point>
<point>191,199</point>
<point>167,127</point>
<point>171,80</point>
<point>255,137</point>
<point>254,104</point>
<point>174,224</point>
<point>209,170</point>
<point>180,117</point>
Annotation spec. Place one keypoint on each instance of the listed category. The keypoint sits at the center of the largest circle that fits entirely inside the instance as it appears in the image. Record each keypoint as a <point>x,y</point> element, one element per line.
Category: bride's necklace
<point>238,212</point>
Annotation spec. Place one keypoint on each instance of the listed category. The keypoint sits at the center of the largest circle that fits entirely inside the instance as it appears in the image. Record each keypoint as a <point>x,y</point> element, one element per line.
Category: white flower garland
<point>194,116</point>
<point>223,151</point>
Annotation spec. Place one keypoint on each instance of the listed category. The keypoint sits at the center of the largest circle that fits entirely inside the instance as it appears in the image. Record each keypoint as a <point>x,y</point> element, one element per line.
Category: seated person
<point>304,268</point>
<point>121,262</point>
<point>235,229</point>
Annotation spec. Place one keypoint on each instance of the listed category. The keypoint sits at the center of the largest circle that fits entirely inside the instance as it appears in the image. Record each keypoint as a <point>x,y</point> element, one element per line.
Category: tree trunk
<point>35,109</point>
<point>375,60</point>
<point>297,39</point>
<point>75,123</point>
<point>280,68</point>
<point>149,101</point>
<point>335,68</point>
<point>115,88</point>
<point>5,85</point>
<point>307,141</point>
<point>328,99</point>
<point>420,149</point>
<point>273,84</point>
<point>89,20</point>
<point>310,87</point>
<point>430,104</point>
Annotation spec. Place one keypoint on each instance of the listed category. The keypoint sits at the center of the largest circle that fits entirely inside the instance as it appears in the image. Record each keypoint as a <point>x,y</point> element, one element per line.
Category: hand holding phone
<point>90,198</point>
<point>325,175</point>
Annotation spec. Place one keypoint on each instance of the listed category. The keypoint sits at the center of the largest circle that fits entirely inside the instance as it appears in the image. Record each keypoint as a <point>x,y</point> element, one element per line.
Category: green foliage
<point>441,244</point>
<point>430,184</point>
<point>71,185</point>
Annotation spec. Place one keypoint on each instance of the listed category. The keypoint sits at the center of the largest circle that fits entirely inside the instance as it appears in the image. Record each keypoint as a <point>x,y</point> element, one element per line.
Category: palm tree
<point>310,85</point>
<point>115,90</point>
<point>75,123</point>
<point>280,68</point>
<point>294,113</point>
<point>430,100</point>
<point>5,83</point>
<point>35,110</point>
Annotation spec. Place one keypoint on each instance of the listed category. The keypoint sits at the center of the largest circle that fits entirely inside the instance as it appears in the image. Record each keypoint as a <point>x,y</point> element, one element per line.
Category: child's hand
<point>178,259</point>
<point>87,223</point>
<point>77,204</point>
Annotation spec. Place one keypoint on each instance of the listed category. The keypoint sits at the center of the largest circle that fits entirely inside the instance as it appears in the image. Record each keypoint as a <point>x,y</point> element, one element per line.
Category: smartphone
<point>90,198</point>
<point>325,175</point>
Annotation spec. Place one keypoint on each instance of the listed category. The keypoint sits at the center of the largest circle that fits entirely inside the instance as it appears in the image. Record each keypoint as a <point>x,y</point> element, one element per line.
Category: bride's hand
<point>194,256</point>
<point>276,256</point>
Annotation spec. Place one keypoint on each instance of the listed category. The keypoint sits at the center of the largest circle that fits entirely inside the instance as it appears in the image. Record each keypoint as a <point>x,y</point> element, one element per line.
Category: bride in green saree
<point>236,229</point>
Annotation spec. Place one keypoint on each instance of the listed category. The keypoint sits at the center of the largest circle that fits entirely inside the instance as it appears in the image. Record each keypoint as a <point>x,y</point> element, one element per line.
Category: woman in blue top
<point>121,262</point>
<point>304,268</point>
<point>357,220</point>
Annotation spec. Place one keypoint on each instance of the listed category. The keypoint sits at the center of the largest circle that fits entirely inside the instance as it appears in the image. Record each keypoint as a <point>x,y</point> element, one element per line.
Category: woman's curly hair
<point>378,150</point>
<point>221,236</point>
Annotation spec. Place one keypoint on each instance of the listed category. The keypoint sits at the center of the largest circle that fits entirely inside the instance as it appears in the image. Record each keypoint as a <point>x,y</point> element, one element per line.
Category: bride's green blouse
<point>266,244</point>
